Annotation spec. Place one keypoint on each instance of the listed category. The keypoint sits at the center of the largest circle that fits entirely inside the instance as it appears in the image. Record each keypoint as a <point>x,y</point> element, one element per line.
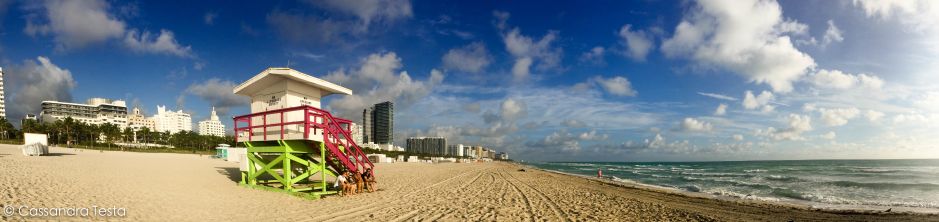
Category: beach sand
<point>185,187</point>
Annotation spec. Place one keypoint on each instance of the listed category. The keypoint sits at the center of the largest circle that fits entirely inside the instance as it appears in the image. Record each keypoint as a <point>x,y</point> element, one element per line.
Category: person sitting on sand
<point>342,183</point>
<point>369,180</point>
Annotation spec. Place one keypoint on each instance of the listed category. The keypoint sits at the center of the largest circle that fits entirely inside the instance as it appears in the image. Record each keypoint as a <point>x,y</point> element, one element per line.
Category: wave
<point>755,171</point>
<point>887,186</point>
<point>784,178</point>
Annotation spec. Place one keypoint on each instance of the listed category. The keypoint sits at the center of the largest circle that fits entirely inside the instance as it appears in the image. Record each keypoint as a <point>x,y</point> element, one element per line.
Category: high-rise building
<point>3,108</point>
<point>367,126</point>
<point>434,146</point>
<point>97,111</point>
<point>171,122</point>
<point>212,126</point>
<point>456,150</point>
<point>383,123</point>
<point>378,123</point>
<point>137,121</point>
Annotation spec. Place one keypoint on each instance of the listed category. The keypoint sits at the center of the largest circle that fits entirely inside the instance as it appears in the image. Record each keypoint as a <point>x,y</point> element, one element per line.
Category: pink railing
<point>336,132</point>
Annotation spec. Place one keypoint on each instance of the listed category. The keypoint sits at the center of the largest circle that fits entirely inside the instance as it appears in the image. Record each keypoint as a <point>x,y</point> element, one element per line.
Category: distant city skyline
<point>693,80</point>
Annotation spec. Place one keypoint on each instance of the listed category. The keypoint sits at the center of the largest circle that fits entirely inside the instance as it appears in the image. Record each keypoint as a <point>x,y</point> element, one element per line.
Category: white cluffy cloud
<point>378,80</point>
<point>761,101</point>
<point>471,58</point>
<point>33,83</point>
<point>78,24</point>
<point>797,124</point>
<point>165,43</point>
<point>617,85</point>
<point>832,34</point>
<point>218,93</point>
<point>595,55</point>
<point>747,37</point>
<point>527,51</point>
<point>694,125</point>
<point>638,42</point>
<point>836,79</point>
<point>721,110</point>
<point>838,116</point>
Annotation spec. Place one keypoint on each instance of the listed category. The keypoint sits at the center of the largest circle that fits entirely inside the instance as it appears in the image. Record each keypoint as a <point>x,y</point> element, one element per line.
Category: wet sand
<point>185,187</point>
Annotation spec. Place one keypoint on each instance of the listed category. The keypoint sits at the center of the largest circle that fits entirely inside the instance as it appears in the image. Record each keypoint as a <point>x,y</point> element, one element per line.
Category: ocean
<point>858,184</point>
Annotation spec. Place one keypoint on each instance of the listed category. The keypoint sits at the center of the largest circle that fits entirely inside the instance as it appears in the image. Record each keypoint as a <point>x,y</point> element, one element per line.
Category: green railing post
<point>323,166</point>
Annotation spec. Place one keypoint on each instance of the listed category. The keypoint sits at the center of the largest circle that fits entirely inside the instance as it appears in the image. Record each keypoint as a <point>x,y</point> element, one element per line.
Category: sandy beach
<point>185,187</point>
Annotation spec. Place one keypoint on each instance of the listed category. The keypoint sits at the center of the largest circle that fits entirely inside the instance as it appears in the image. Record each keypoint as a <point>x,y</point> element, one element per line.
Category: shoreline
<point>806,205</point>
<point>174,187</point>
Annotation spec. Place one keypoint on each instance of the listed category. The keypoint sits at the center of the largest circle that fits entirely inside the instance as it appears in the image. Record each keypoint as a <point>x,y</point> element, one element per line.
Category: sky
<point>543,81</point>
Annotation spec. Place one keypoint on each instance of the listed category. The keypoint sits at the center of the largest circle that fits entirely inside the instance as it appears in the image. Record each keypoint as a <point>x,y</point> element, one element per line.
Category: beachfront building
<point>212,126</point>
<point>503,156</point>
<point>381,121</point>
<point>96,111</point>
<point>456,150</point>
<point>137,121</point>
<point>3,109</point>
<point>367,126</point>
<point>356,131</point>
<point>433,146</point>
<point>171,122</point>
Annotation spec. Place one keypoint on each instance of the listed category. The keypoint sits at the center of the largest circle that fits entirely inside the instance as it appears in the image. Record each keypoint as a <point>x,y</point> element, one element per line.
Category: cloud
<point>829,136</point>
<point>835,79</point>
<point>30,83</point>
<point>718,96</point>
<point>471,58</point>
<point>798,124</point>
<point>165,43</point>
<point>873,115</point>
<point>753,102</point>
<point>79,24</point>
<point>302,29</point>
<point>368,11</point>
<point>573,123</point>
<point>918,15</point>
<point>218,93</point>
<point>74,24</point>
<point>838,116</point>
<point>527,51</point>
<point>618,85</point>
<point>595,55</point>
<point>746,37</point>
<point>721,110</point>
<point>694,125</point>
<point>566,141</point>
<point>209,18</point>
<point>376,80</point>
<point>738,137</point>
<point>638,43</point>
<point>832,34</point>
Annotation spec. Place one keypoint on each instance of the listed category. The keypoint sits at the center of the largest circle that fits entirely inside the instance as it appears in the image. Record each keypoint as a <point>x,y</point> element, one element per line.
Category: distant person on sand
<point>600,173</point>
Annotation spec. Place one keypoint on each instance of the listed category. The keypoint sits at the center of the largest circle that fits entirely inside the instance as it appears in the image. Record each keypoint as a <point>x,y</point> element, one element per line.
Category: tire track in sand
<point>531,211</point>
<point>358,211</point>
<point>554,207</point>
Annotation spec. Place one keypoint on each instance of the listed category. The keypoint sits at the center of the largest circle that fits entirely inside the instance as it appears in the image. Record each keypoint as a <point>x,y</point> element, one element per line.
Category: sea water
<point>842,183</point>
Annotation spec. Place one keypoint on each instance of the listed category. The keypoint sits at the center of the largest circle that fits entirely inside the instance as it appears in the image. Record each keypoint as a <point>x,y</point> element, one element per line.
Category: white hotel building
<point>97,111</point>
<point>171,122</point>
<point>3,109</point>
<point>212,126</point>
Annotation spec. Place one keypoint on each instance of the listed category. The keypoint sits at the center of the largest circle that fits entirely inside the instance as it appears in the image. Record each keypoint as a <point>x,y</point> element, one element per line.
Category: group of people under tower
<point>352,183</point>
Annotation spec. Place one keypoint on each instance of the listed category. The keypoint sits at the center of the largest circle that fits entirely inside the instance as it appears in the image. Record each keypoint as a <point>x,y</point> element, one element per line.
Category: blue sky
<point>575,81</point>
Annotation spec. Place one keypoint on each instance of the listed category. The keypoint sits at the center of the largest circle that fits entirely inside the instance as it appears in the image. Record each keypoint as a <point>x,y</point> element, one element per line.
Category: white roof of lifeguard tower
<point>272,75</point>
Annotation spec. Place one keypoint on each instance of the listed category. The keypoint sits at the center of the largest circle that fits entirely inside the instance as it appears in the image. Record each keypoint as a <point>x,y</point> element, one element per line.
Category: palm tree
<point>5,127</point>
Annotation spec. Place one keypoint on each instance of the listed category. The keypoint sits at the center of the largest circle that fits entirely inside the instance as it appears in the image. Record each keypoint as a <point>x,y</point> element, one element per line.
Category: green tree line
<point>70,132</point>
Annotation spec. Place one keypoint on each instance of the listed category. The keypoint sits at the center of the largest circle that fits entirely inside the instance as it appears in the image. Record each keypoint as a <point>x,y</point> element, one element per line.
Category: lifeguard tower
<point>292,144</point>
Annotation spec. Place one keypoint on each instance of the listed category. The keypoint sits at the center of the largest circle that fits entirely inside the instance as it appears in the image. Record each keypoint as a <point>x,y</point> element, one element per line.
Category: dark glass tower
<point>383,123</point>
